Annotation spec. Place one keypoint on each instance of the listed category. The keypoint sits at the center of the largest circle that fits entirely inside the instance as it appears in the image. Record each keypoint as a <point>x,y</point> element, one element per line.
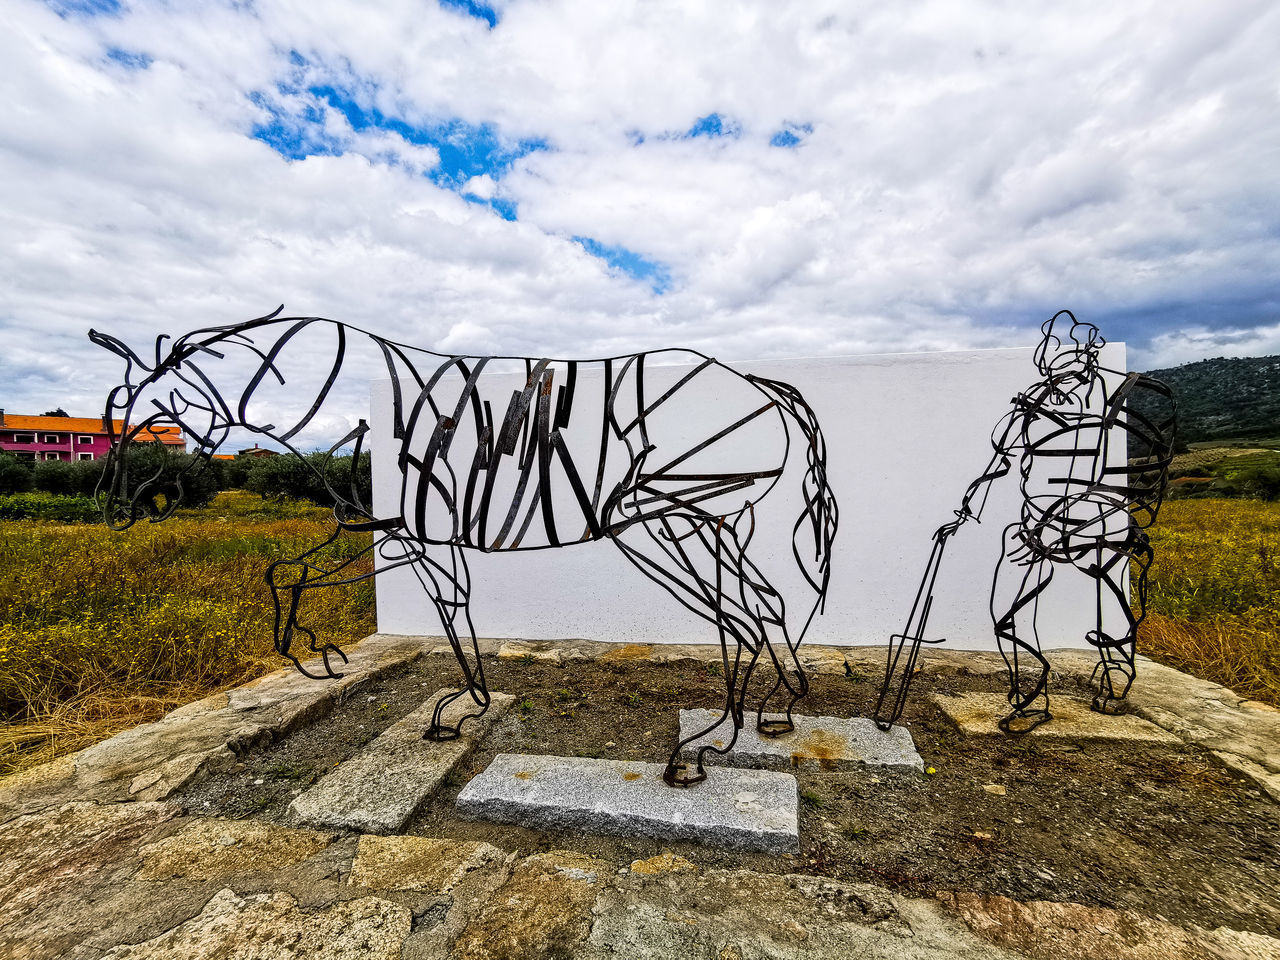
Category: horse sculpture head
<point>165,392</point>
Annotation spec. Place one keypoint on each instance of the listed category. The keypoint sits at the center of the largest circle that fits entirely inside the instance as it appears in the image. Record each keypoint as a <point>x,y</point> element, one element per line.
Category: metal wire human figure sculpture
<point>1080,508</point>
<point>508,462</point>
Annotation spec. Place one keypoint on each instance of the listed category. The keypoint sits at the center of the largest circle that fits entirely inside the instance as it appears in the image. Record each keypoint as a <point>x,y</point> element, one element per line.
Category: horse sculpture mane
<point>547,463</point>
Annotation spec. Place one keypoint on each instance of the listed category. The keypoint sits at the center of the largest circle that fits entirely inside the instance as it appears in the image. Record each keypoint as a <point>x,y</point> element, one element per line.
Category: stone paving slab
<point>380,788</point>
<point>1243,734</point>
<point>206,849</point>
<point>977,715</point>
<point>418,863</point>
<point>530,650</point>
<point>822,743</point>
<point>740,809</point>
<point>272,927</point>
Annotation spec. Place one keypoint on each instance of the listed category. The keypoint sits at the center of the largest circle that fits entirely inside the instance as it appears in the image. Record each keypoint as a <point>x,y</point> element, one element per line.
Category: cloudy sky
<point>580,178</point>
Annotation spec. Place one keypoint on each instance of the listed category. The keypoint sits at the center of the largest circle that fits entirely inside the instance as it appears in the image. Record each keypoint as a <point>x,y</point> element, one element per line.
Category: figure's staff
<point>913,633</point>
<point>918,619</point>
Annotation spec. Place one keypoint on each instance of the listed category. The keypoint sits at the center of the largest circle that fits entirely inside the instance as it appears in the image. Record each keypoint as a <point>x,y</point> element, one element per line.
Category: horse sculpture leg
<point>797,685</point>
<point>700,560</point>
<point>286,597</point>
<point>737,677</point>
<point>771,618</point>
<point>449,587</point>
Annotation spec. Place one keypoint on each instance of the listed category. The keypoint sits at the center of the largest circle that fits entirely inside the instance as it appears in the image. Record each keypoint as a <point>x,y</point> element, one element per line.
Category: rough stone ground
<point>113,851</point>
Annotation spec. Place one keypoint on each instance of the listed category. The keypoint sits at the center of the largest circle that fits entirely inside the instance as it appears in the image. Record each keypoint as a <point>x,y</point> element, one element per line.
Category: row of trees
<point>275,478</point>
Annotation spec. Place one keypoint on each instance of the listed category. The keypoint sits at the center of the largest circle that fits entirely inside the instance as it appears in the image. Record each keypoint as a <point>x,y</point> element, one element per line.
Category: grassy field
<point>100,631</point>
<point>1215,593</point>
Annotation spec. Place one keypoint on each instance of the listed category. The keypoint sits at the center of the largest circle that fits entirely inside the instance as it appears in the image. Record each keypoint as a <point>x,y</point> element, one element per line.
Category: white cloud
<point>483,186</point>
<point>969,170</point>
<point>1197,343</point>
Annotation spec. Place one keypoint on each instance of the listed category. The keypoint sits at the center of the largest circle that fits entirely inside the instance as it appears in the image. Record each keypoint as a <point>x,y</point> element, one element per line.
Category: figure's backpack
<point>1144,408</point>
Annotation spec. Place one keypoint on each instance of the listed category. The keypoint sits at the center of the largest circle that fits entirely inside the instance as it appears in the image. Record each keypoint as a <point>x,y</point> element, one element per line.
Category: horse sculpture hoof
<point>774,728</point>
<point>441,734</point>
<point>679,777</point>
<point>1021,722</point>
<point>1110,706</point>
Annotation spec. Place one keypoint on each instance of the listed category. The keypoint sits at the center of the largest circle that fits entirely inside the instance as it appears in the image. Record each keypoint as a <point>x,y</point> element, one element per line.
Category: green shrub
<point>78,479</point>
<point>199,482</point>
<point>1264,482</point>
<point>285,477</point>
<point>50,507</point>
<point>232,474</point>
<point>53,476</point>
<point>288,477</point>
<point>15,476</point>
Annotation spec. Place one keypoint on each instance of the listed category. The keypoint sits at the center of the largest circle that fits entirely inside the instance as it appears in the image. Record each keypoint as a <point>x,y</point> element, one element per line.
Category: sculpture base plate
<point>816,743</point>
<point>977,715</point>
<point>738,809</point>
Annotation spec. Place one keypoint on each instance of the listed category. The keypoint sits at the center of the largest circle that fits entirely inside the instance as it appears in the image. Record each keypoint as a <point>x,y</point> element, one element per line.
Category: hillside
<point>1226,398</point>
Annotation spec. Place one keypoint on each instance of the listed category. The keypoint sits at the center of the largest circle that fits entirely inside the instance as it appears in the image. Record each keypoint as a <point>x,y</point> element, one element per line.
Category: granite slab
<point>381,788</point>
<point>732,808</point>
<point>816,743</point>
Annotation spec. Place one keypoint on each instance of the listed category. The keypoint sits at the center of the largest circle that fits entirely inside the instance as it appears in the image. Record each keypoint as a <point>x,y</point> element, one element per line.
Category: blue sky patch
<point>629,262</point>
<point>791,135</point>
<point>502,206</point>
<point>296,130</point>
<point>128,59</point>
<point>83,8</point>
<point>293,137</point>
<point>714,125</point>
<point>466,150</point>
<point>481,11</point>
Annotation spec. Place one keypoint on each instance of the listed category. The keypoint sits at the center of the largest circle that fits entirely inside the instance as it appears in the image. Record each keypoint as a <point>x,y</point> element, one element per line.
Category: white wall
<point>905,434</point>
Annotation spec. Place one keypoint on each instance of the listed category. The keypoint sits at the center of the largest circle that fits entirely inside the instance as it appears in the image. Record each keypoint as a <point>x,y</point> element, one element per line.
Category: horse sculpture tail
<point>815,529</point>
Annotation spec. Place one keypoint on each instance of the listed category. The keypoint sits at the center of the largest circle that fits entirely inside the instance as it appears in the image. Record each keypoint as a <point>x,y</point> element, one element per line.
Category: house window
<point>86,456</point>
<point>51,456</point>
<point>25,455</point>
<point>24,438</point>
<point>85,439</point>
<point>52,438</point>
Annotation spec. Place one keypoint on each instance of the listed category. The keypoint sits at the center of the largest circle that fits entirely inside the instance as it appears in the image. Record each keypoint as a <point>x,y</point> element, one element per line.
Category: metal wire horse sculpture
<point>647,487</point>
<point>1078,510</point>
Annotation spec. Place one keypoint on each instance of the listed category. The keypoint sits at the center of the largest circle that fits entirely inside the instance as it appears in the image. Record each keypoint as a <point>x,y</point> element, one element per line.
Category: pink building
<point>68,438</point>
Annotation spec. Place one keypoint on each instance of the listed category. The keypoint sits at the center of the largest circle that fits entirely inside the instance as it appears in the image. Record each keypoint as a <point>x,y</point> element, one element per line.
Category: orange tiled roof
<point>224,456</point>
<point>169,435</point>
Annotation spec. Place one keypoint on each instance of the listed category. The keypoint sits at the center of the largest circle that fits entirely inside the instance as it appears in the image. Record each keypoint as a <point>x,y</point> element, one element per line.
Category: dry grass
<point>81,722</point>
<point>100,631</point>
<point>1215,594</point>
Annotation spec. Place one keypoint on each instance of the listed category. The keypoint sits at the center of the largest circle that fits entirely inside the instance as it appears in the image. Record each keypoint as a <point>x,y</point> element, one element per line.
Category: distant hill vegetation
<point>1226,398</point>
